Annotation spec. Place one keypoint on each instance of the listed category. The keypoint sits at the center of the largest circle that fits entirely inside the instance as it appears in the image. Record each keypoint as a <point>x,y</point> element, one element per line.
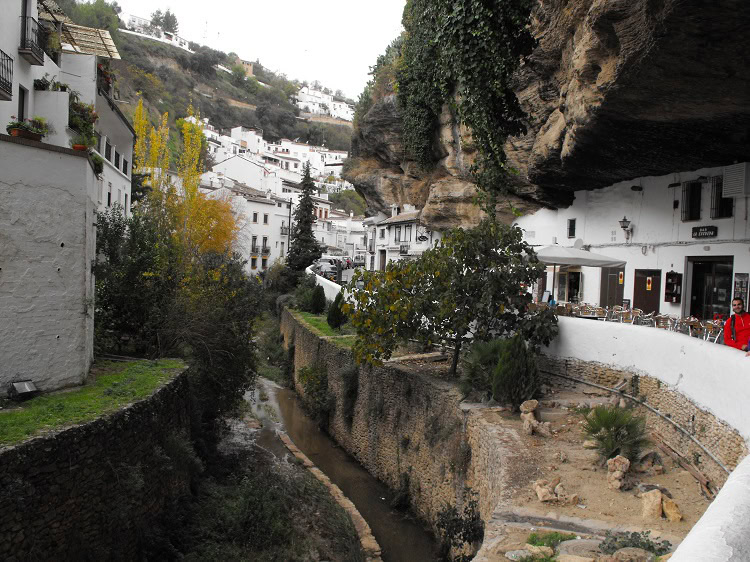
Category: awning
<point>559,255</point>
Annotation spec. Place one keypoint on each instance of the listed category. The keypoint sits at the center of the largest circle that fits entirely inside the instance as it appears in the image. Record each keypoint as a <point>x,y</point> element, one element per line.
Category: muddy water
<point>402,537</point>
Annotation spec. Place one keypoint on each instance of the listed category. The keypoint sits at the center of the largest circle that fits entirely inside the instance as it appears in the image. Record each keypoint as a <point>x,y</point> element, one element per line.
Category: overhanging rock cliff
<point>615,89</point>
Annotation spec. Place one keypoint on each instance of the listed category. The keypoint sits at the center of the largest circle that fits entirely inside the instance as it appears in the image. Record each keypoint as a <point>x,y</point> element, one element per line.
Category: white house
<point>48,195</point>
<point>316,102</point>
<point>136,25</point>
<point>400,236</point>
<point>684,237</point>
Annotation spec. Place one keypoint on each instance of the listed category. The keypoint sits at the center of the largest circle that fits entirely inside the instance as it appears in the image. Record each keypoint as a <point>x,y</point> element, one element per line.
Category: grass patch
<point>116,384</point>
<point>319,324</point>
<point>549,539</point>
<point>345,342</point>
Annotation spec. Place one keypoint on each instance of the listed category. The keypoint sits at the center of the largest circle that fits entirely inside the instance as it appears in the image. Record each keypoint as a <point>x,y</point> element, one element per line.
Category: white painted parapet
<point>330,288</point>
<point>715,377</point>
<point>722,534</point>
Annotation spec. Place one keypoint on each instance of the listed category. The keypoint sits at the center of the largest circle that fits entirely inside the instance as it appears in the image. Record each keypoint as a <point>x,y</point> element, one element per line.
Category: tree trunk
<point>456,351</point>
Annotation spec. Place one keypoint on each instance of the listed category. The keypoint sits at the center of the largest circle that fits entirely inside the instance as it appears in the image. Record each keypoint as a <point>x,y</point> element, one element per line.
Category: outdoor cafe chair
<point>647,319</point>
<point>691,326</point>
<point>614,313</point>
<point>712,330</point>
<point>663,321</point>
<point>600,313</point>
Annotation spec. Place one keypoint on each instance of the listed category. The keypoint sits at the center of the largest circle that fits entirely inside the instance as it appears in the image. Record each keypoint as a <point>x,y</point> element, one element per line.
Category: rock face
<point>615,89</point>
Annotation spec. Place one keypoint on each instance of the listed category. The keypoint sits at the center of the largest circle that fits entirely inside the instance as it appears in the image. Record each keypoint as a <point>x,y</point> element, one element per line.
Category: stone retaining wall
<point>410,431</point>
<point>91,491</point>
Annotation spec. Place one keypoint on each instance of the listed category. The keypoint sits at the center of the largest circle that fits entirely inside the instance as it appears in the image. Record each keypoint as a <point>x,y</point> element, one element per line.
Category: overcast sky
<point>333,41</point>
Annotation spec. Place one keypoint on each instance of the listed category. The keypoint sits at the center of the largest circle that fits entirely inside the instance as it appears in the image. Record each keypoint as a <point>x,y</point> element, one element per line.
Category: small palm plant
<point>617,431</point>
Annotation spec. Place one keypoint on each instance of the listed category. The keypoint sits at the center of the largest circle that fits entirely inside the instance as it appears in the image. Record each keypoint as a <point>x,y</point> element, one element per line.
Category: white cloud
<point>333,41</point>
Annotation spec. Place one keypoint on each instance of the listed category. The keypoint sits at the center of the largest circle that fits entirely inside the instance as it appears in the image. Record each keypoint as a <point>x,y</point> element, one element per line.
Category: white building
<point>48,196</point>
<point>316,102</point>
<point>686,242</point>
<point>400,236</point>
<point>142,27</point>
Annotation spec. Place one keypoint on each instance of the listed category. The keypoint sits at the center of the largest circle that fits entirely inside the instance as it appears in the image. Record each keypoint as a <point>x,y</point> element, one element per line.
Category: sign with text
<point>705,231</point>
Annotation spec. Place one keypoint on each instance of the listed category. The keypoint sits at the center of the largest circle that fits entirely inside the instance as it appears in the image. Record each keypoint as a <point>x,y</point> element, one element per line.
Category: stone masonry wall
<point>90,491</point>
<point>716,435</point>
<point>410,431</point>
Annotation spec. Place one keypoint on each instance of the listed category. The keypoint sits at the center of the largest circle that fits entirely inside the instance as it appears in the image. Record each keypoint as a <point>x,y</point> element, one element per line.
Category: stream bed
<point>402,537</point>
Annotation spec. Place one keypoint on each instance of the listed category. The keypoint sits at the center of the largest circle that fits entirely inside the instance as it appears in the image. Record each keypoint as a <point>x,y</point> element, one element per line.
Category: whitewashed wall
<point>47,244</point>
<point>714,377</point>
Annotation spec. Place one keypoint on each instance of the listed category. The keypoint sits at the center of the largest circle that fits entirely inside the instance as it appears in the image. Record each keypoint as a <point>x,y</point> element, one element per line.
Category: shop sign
<point>649,283</point>
<point>621,278</point>
<point>705,231</point>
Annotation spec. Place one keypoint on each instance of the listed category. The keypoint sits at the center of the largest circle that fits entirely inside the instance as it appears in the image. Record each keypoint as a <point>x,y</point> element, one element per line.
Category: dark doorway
<point>711,288</point>
<point>382,260</point>
<point>612,291</point>
<point>647,290</point>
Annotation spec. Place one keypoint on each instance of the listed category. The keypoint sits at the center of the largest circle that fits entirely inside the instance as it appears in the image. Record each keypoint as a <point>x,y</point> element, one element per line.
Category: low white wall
<point>330,288</point>
<point>722,534</point>
<point>714,377</point>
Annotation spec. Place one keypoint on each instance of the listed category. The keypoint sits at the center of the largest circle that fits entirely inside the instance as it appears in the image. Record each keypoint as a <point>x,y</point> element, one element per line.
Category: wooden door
<point>611,290</point>
<point>647,290</point>
<point>382,260</point>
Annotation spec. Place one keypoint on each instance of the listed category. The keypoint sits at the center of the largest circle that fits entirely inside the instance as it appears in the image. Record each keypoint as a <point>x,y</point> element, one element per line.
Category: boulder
<point>539,550</point>
<point>528,427</point>
<point>573,558</point>
<point>528,416</point>
<point>590,444</point>
<point>560,490</point>
<point>619,464</point>
<point>517,554</point>
<point>544,429</point>
<point>544,492</point>
<point>529,406</point>
<point>670,509</point>
<point>651,507</point>
<point>632,554</point>
<point>588,549</point>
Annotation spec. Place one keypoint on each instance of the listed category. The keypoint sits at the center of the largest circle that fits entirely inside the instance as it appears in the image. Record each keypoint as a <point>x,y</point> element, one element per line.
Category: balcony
<point>285,231</point>
<point>262,250</point>
<point>6,76</point>
<point>31,41</point>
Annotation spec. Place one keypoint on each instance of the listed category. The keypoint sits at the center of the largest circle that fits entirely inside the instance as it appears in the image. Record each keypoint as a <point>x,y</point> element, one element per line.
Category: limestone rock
<point>561,456</point>
<point>517,554</point>
<point>539,550</point>
<point>670,509</point>
<point>543,491</point>
<point>631,554</point>
<point>560,490</point>
<point>618,464</point>
<point>588,549</point>
<point>590,444</point>
<point>544,429</point>
<point>617,469</point>
<point>528,427</point>
<point>528,416</point>
<point>651,507</point>
<point>622,403</point>
<point>573,558</point>
<point>529,406</point>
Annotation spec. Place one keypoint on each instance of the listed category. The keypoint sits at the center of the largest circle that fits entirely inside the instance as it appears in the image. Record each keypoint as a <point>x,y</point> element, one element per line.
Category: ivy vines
<point>464,52</point>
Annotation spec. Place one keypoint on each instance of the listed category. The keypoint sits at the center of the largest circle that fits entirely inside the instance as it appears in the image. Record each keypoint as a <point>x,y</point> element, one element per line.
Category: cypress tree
<point>516,377</point>
<point>336,316</point>
<point>303,248</point>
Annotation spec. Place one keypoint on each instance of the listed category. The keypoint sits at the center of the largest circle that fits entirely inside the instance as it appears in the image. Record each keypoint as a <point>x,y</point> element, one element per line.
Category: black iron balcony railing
<point>31,36</point>
<point>6,76</point>
<point>262,250</point>
<point>284,230</point>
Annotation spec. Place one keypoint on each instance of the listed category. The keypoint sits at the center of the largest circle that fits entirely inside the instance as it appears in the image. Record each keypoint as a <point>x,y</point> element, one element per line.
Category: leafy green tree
<point>99,13</point>
<point>471,286</point>
<point>516,377</point>
<point>157,18</point>
<point>303,247</point>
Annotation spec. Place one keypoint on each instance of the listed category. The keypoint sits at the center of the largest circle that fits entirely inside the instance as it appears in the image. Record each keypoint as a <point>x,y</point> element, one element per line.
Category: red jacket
<point>741,329</point>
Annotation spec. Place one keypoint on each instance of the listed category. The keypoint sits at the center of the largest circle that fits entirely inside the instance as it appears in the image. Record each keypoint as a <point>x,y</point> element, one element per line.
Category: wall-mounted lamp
<point>675,184</point>
<point>626,227</point>
<point>636,188</point>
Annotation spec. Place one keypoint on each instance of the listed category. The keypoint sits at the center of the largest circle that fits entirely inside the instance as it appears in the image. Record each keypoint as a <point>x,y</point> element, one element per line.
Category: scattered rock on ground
<point>517,554</point>
<point>529,406</point>
<point>561,456</point>
<point>643,488</point>
<point>590,444</point>
<point>617,469</point>
<point>543,491</point>
<point>540,550</point>
<point>573,558</point>
<point>670,509</point>
<point>587,549</point>
<point>631,554</point>
<point>651,505</point>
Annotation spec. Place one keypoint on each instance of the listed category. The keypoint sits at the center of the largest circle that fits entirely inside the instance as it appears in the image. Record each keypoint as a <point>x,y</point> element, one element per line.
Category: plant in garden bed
<point>617,431</point>
<point>98,163</point>
<point>615,541</point>
<point>549,539</point>
<point>81,118</point>
<point>81,141</point>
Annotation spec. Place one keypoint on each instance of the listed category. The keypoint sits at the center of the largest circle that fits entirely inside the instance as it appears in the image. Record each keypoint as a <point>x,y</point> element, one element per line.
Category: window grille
<point>691,201</point>
<point>571,228</point>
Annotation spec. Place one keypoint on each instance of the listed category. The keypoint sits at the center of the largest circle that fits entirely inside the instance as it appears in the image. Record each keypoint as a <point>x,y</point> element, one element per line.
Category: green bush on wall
<point>318,301</point>
<point>317,399</point>
<point>516,377</point>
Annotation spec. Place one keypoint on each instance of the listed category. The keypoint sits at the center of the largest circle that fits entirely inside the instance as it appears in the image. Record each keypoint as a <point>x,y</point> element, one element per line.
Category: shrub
<point>515,379</point>
<point>617,431</point>
<point>460,529</point>
<point>303,293</point>
<point>336,316</point>
<point>549,539</point>
<point>317,399</point>
<point>615,541</point>
<point>318,300</point>
<point>350,378</point>
<point>480,364</point>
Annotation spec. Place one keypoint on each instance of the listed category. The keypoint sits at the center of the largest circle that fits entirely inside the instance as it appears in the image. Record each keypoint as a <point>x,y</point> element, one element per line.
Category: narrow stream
<point>401,536</point>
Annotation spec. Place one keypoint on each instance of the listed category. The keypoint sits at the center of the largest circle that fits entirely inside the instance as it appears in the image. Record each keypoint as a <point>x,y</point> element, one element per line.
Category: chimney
<point>394,210</point>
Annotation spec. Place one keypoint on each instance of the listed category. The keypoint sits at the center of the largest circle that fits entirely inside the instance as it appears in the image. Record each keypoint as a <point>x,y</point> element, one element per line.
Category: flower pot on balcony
<point>24,134</point>
<point>80,147</point>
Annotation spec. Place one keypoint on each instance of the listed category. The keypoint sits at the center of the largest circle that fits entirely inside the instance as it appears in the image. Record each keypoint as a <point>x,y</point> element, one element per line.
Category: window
<point>22,92</point>
<point>264,263</point>
<point>253,263</point>
<point>255,217</point>
<point>126,204</point>
<point>117,160</point>
<point>109,196</point>
<point>282,249</point>
<point>279,205</point>
<point>571,228</point>
<point>124,166</point>
<point>721,207</point>
<point>691,201</point>
<point>265,218</point>
<point>254,247</point>
<point>108,151</point>
<point>407,233</point>
<point>326,213</point>
<point>382,233</point>
<point>288,205</point>
<point>398,234</point>
<point>265,241</point>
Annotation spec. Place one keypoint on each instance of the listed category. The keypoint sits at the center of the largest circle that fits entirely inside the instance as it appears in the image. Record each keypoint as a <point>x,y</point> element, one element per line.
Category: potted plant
<point>81,118</point>
<point>82,141</point>
<point>33,129</point>
<point>98,163</point>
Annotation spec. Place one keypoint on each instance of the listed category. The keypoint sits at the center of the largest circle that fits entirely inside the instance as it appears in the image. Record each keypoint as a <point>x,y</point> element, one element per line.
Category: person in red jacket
<point>737,328</point>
